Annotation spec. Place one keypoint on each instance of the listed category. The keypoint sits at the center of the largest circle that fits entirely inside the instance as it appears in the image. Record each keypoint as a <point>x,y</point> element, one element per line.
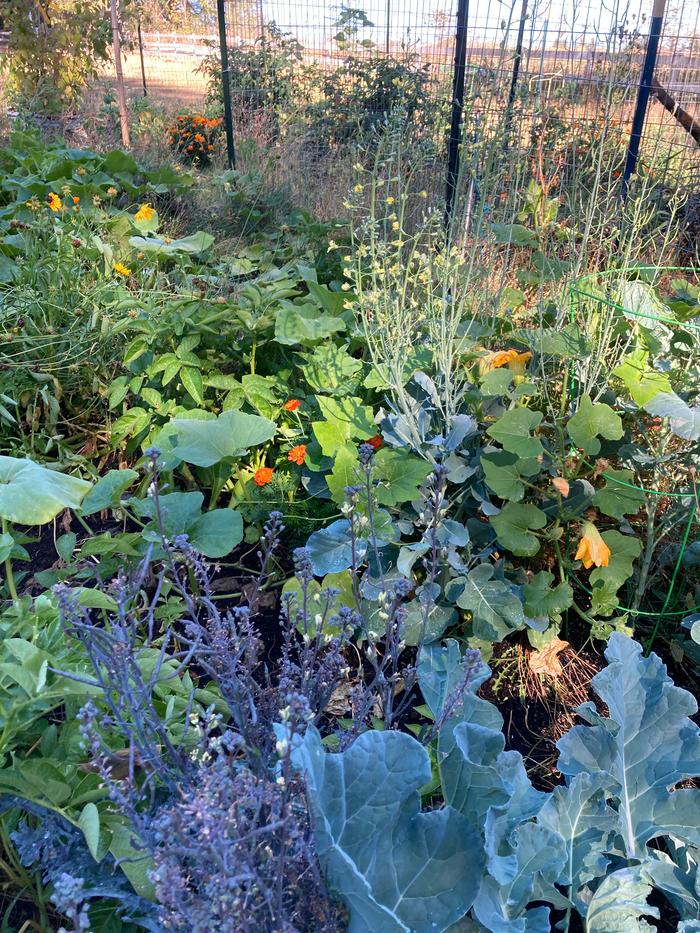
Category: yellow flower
<point>112,191</point>
<point>145,212</point>
<point>54,202</point>
<point>591,548</point>
<point>358,189</point>
<point>513,359</point>
<point>121,269</point>
<point>389,200</point>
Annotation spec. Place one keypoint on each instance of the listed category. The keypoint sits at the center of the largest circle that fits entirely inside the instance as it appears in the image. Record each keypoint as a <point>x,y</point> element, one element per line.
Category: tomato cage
<point>635,321</point>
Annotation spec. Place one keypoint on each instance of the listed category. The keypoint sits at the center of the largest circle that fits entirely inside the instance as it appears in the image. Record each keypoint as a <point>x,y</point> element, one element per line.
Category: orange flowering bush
<point>194,137</point>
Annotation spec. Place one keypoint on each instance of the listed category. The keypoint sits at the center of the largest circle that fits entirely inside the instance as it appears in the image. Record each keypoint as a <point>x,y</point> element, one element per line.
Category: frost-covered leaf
<point>399,870</point>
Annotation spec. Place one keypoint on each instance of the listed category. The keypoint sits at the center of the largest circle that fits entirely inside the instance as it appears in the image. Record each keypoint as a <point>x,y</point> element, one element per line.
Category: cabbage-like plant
<point>497,852</point>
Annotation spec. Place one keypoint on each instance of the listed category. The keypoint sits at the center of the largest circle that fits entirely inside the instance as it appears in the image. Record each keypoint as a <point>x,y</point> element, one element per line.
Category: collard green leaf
<point>646,713</point>
<point>684,421</point>
<point>399,870</point>
<point>591,421</point>
<point>31,494</point>
<point>496,610</point>
<point>514,527</point>
<point>580,815</point>
<point>619,496</point>
<point>536,861</point>
<point>516,234</point>
<point>620,902</point>
<point>330,549</point>
<point>206,442</point>
<point>513,431</point>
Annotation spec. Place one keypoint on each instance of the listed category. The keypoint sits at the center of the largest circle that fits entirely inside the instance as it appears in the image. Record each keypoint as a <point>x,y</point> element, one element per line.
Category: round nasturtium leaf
<point>31,494</point>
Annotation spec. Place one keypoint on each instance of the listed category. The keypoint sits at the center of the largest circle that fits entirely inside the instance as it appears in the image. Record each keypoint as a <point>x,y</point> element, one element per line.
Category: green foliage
<point>55,48</point>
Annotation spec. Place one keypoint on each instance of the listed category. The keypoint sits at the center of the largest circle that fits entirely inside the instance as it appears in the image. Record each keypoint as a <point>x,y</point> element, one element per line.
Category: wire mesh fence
<point>309,80</point>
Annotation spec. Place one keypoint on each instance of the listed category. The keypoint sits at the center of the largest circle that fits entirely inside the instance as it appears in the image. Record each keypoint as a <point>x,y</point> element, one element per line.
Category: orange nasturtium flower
<point>591,548</point>
<point>292,404</point>
<point>375,441</point>
<point>121,269</point>
<point>54,202</point>
<point>76,199</point>
<point>145,212</point>
<point>263,475</point>
<point>297,454</point>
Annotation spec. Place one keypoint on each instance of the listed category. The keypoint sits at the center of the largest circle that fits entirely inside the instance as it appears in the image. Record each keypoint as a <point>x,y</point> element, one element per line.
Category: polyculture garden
<point>350,566</point>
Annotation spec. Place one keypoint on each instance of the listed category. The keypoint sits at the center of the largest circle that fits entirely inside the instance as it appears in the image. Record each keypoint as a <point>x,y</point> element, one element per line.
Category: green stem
<point>8,567</point>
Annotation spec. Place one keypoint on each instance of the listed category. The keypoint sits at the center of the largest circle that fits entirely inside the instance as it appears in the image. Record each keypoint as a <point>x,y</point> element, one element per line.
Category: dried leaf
<point>547,660</point>
<point>561,485</point>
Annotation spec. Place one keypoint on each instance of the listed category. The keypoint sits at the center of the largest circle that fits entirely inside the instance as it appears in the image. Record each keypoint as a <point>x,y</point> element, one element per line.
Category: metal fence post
<point>460,67</point>
<point>514,77</point>
<point>643,94</point>
<point>226,84</point>
<point>143,67</point>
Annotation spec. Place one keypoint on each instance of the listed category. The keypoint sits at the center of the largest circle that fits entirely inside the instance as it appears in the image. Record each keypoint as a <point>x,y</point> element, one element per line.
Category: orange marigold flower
<point>145,212</point>
<point>263,475</point>
<point>198,138</point>
<point>54,202</point>
<point>591,548</point>
<point>376,441</point>
<point>297,454</point>
<point>292,404</point>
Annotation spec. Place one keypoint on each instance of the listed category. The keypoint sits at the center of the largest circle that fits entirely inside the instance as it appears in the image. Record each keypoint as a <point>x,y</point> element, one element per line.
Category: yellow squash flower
<point>591,548</point>
<point>145,212</point>
<point>121,269</point>
<point>513,359</point>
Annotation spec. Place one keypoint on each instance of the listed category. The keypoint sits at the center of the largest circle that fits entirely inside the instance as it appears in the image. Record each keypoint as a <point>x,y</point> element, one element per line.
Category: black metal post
<point>643,94</point>
<point>514,77</point>
<point>455,140</point>
<point>226,84</point>
<point>388,26</point>
<point>143,67</point>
